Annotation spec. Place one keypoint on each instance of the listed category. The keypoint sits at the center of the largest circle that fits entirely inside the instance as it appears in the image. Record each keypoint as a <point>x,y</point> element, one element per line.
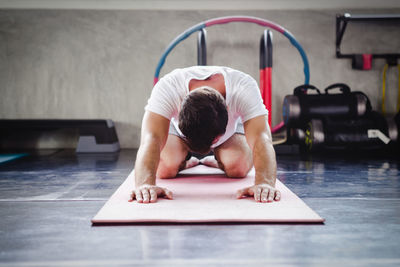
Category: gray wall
<point>100,63</point>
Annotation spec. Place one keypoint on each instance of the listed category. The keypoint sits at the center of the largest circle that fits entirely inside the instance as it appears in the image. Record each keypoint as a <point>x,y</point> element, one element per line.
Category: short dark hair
<point>202,118</point>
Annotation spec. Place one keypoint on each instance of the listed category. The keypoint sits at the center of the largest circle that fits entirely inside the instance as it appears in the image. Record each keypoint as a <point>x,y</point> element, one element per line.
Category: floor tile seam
<point>205,262</point>
<point>105,199</point>
<point>352,198</point>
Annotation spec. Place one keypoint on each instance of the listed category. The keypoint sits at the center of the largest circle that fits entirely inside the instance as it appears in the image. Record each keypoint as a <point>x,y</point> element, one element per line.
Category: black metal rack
<point>359,60</point>
<point>202,48</point>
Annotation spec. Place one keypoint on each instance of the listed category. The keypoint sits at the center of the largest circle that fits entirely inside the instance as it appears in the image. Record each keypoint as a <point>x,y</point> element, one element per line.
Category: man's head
<point>203,118</point>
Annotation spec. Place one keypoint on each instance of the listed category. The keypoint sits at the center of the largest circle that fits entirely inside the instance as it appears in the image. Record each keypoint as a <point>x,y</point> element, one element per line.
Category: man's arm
<point>258,136</point>
<point>154,135</point>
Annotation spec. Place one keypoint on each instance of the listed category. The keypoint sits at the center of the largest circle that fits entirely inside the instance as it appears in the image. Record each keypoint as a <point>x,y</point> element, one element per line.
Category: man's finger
<point>257,194</point>
<point>264,195</point>
<point>277,195</point>
<point>164,192</point>
<point>271,195</point>
<point>146,195</point>
<point>167,193</point>
<point>139,196</point>
<point>153,195</point>
<point>242,192</point>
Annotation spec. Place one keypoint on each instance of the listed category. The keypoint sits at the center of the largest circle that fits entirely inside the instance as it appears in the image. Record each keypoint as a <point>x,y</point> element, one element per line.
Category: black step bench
<point>95,136</point>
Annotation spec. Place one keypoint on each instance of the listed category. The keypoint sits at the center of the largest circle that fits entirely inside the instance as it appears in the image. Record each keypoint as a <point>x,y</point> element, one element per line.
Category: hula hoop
<point>225,20</point>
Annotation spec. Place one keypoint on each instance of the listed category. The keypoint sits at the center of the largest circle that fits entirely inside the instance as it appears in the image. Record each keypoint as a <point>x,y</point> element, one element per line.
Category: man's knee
<point>237,168</point>
<point>167,169</point>
<point>235,157</point>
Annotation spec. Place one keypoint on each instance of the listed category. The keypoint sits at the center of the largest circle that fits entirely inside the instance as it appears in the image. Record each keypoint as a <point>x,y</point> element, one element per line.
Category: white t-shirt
<point>243,98</point>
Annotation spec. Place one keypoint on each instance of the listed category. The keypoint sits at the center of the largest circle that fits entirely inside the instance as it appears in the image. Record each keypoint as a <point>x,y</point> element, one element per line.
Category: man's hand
<point>149,193</point>
<point>261,192</point>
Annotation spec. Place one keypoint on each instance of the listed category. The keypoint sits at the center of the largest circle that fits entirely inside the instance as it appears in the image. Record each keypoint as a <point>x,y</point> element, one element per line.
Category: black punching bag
<point>302,107</point>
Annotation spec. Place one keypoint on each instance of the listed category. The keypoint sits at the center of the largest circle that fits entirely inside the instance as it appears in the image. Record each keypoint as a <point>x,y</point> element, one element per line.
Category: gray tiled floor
<point>46,203</point>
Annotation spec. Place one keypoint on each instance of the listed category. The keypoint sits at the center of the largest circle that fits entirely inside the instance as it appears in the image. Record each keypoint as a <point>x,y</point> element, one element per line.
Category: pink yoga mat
<point>204,195</point>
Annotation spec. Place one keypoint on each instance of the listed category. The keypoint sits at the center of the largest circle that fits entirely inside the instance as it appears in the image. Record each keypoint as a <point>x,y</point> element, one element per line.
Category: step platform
<point>95,136</point>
